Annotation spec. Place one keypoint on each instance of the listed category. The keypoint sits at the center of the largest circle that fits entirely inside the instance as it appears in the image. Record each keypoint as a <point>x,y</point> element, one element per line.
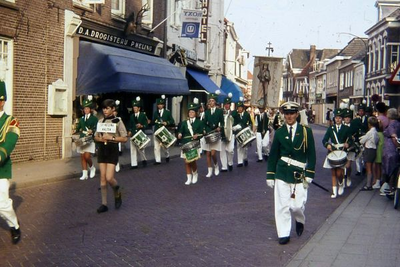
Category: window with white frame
<point>6,48</point>
<point>341,81</point>
<point>81,3</point>
<point>147,19</point>
<point>177,6</point>
<point>394,57</point>
<point>118,8</point>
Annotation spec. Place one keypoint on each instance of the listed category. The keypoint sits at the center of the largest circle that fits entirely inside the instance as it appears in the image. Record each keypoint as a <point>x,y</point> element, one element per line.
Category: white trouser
<point>259,141</point>
<point>284,205</point>
<point>242,154</point>
<point>134,152</point>
<point>359,164</point>
<point>226,154</point>
<point>157,150</point>
<point>6,204</point>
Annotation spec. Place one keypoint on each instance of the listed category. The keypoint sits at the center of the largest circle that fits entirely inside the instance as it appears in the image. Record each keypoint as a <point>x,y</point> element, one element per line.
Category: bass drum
<point>228,128</point>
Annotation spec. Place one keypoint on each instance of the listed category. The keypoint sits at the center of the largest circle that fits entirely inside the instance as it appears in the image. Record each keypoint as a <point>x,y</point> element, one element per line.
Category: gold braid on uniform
<point>4,129</point>
<point>304,140</point>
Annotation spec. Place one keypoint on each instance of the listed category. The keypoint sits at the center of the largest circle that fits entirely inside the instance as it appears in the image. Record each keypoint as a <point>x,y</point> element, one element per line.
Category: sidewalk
<point>363,231</point>
<point>35,173</point>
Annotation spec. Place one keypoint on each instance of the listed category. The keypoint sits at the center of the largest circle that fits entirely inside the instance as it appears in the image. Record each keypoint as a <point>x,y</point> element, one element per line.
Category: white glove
<point>309,180</point>
<point>271,183</point>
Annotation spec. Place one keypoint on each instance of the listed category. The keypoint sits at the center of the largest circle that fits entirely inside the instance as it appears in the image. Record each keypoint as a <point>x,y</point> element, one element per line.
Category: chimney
<point>313,52</point>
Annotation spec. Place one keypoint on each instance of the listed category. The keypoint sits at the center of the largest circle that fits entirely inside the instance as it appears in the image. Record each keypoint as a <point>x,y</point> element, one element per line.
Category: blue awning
<point>205,81</point>
<point>105,69</point>
<point>230,87</point>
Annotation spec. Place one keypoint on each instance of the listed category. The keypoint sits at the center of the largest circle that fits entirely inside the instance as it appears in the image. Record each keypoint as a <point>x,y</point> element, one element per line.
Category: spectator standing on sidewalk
<point>9,134</point>
<point>110,131</point>
<point>291,167</point>
<point>86,128</point>
<point>370,141</point>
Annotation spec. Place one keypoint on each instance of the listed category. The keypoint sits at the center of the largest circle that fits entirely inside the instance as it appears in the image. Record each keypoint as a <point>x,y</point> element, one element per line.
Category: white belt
<point>294,162</point>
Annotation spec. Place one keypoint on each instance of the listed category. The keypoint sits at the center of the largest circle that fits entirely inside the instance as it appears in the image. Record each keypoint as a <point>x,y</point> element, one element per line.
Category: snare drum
<point>337,158</point>
<point>212,137</point>
<point>140,140</point>
<point>84,141</point>
<point>191,151</point>
<point>166,138</point>
<point>245,136</point>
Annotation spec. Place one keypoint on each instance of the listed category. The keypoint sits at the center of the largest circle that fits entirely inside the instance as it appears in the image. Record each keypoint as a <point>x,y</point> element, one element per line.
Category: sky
<point>290,24</point>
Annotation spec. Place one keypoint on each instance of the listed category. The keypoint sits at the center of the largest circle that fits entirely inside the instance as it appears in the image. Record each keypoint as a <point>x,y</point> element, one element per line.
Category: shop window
<point>118,8</point>
<point>147,19</point>
<point>6,63</point>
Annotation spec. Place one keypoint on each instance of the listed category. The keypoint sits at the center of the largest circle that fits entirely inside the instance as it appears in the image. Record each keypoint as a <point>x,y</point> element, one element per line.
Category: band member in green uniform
<point>241,120</point>
<point>214,122</point>
<point>337,137</point>
<point>228,138</point>
<point>138,121</point>
<point>261,122</point>
<point>9,134</point>
<point>361,123</point>
<point>291,167</point>
<point>109,132</point>
<point>161,117</point>
<point>190,132</point>
<point>86,128</point>
<point>354,151</point>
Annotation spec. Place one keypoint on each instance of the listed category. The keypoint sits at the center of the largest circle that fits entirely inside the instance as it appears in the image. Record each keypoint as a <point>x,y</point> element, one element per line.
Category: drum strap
<point>190,127</point>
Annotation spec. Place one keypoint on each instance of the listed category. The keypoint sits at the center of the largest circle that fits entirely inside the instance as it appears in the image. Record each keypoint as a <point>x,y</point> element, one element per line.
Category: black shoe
<point>157,163</point>
<point>284,240</point>
<point>167,159</point>
<point>366,188</point>
<point>246,163</point>
<point>230,168</point>
<point>358,173</point>
<point>133,167</point>
<point>299,228</point>
<point>260,160</point>
<point>118,200</point>
<point>224,170</point>
<point>144,163</point>
<point>240,165</point>
<point>102,208</point>
<point>15,235</point>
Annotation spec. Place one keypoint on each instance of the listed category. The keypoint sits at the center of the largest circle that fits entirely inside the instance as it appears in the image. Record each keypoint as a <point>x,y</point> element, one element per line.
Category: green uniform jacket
<point>89,124</point>
<point>197,126</point>
<point>142,119</point>
<point>9,135</point>
<point>244,121</point>
<point>361,126</point>
<point>301,149</point>
<point>262,123</point>
<point>166,117</point>
<point>344,136</point>
<point>215,120</point>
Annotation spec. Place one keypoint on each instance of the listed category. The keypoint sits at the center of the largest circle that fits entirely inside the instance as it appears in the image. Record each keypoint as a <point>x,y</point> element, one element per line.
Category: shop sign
<point>204,20</point>
<point>191,20</point>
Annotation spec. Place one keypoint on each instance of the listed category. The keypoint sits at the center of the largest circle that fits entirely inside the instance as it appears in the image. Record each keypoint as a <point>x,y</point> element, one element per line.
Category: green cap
<point>161,100</point>
<point>347,113</point>
<point>88,102</point>
<point>228,99</point>
<point>214,95</point>
<point>240,103</point>
<point>338,112</point>
<point>3,92</point>
<point>290,106</point>
<point>137,102</point>
<point>194,105</point>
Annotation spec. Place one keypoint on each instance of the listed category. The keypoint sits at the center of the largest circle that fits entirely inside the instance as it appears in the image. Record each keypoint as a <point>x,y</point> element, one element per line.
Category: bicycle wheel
<point>396,200</point>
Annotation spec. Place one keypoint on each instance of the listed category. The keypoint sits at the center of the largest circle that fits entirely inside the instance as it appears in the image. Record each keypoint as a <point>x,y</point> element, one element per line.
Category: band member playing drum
<point>214,123</point>
<point>241,120</point>
<point>337,139</point>
<point>228,138</point>
<point>261,128</point>
<point>110,131</point>
<point>138,121</point>
<point>190,132</point>
<point>86,128</point>
<point>161,117</point>
<point>291,167</point>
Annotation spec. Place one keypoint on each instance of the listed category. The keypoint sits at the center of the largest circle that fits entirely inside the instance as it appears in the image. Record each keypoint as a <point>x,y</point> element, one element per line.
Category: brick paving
<point>221,221</point>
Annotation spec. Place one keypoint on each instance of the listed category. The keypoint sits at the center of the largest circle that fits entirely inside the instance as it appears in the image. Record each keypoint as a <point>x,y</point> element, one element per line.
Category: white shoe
<point>117,168</point>
<point>334,189</point>
<point>84,175</point>
<point>92,171</point>
<point>195,176</point>
<point>341,188</point>
<point>209,174</point>
<point>348,181</point>
<point>384,188</point>
<point>377,185</point>
<point>216,169</point>
<point>189,179</point>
